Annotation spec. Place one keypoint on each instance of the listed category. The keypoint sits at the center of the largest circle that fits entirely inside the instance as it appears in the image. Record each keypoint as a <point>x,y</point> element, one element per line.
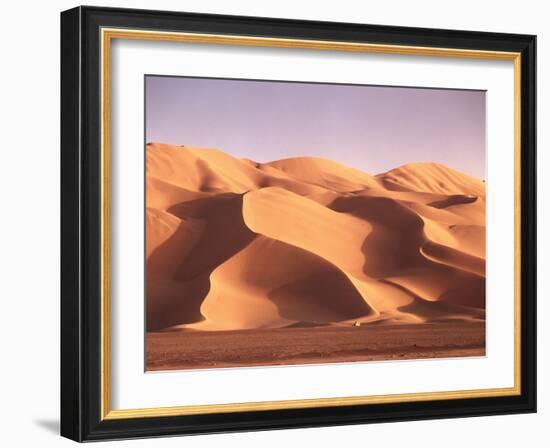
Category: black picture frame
<point>81,414</point>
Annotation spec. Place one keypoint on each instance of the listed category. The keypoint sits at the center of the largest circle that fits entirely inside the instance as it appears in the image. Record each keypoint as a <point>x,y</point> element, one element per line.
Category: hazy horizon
<point>372,128</point>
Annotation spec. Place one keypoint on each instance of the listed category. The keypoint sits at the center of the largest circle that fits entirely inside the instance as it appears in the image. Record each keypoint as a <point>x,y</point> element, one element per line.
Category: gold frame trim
<point>107,35</point>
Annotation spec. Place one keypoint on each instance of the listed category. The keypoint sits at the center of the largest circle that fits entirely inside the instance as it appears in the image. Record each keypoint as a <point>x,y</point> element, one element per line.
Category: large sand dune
<point>233,244</point>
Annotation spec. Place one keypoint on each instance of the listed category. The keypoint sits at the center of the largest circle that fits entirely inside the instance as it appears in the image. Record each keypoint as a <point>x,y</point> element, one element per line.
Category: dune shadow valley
<point>305,260</point>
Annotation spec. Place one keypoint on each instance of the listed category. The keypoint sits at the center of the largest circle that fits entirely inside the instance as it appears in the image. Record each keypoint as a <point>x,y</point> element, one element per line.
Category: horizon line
<point>316,157</point>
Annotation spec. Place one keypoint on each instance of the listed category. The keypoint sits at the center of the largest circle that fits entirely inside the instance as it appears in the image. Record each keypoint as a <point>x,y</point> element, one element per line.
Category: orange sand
<point>237,245</point>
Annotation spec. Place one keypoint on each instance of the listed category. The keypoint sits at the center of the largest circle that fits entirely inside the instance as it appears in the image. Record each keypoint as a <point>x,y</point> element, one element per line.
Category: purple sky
<point>370,128</point>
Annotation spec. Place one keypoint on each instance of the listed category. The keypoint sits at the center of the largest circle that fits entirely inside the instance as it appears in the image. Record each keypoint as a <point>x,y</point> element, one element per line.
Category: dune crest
<point>236,244</point>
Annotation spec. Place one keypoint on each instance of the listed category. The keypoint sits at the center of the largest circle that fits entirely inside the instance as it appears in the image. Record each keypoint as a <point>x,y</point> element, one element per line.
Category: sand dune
<point>325,173</point>
<point>431,178</point>
<point>235,244</point>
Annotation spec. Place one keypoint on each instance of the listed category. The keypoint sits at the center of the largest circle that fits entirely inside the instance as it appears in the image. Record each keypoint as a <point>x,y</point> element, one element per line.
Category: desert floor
<point>191,349</point>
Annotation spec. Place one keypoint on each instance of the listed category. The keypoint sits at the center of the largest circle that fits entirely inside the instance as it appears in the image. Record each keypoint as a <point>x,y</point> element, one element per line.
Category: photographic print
<point>252,201</point>
<point>306,223</point>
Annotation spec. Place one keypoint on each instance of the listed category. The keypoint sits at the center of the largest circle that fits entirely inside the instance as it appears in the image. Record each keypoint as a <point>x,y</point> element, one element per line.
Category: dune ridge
<point>234,244</point>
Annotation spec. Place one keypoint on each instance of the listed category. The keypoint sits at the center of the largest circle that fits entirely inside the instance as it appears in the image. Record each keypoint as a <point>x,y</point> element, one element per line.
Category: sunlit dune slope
<point>236,244</point>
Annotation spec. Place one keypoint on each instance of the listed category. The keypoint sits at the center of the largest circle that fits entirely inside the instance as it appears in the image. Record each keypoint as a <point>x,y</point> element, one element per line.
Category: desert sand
<point>236,247</point>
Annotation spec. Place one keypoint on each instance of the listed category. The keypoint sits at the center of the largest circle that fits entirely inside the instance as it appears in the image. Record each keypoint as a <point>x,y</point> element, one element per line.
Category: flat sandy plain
<point>175,350</point>
<point>305,260</point>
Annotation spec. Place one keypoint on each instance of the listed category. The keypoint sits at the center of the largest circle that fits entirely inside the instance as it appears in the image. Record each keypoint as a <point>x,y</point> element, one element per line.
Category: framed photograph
<point>273,223</point>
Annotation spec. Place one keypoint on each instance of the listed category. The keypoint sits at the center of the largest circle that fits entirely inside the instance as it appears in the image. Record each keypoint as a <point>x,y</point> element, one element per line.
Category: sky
<point>371,128</point>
